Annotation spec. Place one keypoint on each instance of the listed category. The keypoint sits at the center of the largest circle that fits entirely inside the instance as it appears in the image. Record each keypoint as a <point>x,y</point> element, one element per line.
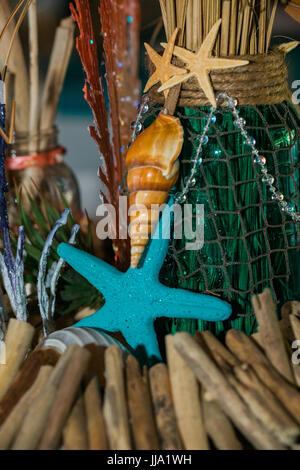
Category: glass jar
<point>35,165</point>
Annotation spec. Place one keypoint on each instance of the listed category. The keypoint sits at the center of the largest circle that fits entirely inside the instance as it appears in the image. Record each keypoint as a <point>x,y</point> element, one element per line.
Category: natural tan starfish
<point>288,46</point>
<point>164,68</point>
<point>202,63</point>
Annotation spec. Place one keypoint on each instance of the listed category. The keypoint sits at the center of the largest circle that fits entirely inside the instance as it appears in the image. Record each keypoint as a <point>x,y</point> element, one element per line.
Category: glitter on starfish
<point>164,68</point>
<point>201,64</point>
<point>135,299</point>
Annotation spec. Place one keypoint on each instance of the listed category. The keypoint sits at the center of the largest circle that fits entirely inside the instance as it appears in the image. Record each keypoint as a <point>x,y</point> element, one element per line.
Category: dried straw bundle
<point>246,24</point>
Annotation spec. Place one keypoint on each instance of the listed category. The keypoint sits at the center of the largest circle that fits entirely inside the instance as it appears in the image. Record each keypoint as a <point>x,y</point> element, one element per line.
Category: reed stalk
<point>246,24</point>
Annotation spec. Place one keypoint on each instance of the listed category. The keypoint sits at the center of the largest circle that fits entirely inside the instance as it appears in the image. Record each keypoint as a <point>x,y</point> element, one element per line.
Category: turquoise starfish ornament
<point>135,299</point>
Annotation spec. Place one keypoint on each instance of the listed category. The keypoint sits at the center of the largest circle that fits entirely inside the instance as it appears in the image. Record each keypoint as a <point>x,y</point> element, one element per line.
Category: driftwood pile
<point>241,395</point>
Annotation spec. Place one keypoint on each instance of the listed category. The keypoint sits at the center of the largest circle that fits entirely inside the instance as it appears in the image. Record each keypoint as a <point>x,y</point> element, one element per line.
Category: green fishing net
<point>250,244</point>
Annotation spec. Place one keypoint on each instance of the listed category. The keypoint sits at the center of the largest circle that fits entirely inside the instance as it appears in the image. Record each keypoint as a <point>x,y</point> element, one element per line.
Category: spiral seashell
<point>153,170</point>
<point>81,336</point>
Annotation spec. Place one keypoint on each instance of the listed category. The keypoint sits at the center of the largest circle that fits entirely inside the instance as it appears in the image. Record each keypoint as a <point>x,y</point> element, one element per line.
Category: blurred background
<point>74,115</point>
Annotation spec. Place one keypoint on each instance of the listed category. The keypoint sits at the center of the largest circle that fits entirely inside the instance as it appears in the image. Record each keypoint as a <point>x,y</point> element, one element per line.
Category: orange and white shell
<point>153,170</point>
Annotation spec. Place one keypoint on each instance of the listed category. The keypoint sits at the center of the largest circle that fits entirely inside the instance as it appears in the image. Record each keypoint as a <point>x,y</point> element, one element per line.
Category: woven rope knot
<point>262,81</point>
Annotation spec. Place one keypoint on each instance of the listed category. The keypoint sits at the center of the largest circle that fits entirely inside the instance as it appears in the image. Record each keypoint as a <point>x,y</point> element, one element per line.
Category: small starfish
<point>288,46</point>
<point>164,68</point>
<point>133,300</point>
<point>202,63</point>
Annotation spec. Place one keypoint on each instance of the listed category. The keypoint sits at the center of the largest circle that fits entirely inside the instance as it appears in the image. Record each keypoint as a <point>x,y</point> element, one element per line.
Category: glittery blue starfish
<point>136,298</point>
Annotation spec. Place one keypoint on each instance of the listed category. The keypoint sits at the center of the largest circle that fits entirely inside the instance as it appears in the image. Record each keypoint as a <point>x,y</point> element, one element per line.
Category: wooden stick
<point>17,66</point>
<point>64,399</point>
<point>226,10</point>
<point>33,74</point>
<point>293,308</point>
<point>242,4</point>
<point>17,342</point>
<point>189,25</point>
<point>270,333</point>
<point>271,24</point>
<point>265,406</point>
<point>204,17</point>
<point>247,351</point>
<point>164,408</point>
<point>25,378</point>
<point>172,99</point>
<point>233,27</point>
<point>209,374</point>
<point>219,427</point>
<point>260,400</point>
<point>200,24</point>
<point>187,404</point>
<point>295,322</point>
<point>262,26</point>
<point>60,57</point>
<point>96,364</point>
<point>14,34</point>
<point>285,324</point>
<point>252,42</point>
<point>181,11</point>
<point>35,421</point>
<point>11,17</point>
<point>196,22</point>
<point>215,346</point>
<point>115,405</point>
<point>140,408</point>
<point>8,98</point>
<point>11,426</point>
<point>75,435</point>
<point>164,16</point>
<point>285,327</point>
<point>171,17</point>
<point>245,29</point>
<point>97,439</point>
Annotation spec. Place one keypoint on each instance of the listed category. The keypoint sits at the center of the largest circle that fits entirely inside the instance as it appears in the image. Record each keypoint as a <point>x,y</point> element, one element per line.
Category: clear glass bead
<point>181,199</point>
<point>268,179</point>
<point>240,122</point>
<point>261,161</point>
<point>291,207</point>
<point>232,102</point>
<point>251,141</point>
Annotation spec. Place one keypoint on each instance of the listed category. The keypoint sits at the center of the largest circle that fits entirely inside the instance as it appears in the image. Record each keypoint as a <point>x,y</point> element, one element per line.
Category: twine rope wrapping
<point>262,81</point>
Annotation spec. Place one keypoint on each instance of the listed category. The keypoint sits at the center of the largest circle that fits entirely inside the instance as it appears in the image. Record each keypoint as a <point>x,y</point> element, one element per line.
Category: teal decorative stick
<point>133,300</point>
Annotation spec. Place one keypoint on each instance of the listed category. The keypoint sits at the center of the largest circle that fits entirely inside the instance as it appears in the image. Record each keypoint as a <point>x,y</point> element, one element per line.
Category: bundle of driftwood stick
<point>241,395</point>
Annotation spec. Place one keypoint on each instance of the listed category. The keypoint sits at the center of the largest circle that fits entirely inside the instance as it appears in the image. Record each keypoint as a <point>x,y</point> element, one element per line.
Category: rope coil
<point>263,81</point>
